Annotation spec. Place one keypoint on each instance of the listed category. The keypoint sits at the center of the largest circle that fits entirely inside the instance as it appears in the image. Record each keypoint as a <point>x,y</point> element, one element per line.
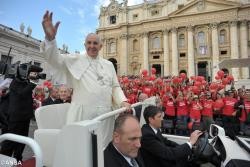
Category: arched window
<point>156,43</point>
<point>201,38</point>
<point>135,45</point>
<point>112,47</point>
<point>202,47</point>
<point>181,41</point>
<point>222,37</point>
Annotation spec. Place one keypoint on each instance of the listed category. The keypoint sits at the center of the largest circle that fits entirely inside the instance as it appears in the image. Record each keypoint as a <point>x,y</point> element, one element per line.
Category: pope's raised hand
<point>50,30</point>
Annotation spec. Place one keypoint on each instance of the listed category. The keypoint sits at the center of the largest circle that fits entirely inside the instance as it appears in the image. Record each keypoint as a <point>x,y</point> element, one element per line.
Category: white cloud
<point>134,2</point>
<point>68,11</point>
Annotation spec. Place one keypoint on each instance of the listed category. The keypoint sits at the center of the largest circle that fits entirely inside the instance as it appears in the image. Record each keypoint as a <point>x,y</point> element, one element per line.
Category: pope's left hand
<point>127,105</point>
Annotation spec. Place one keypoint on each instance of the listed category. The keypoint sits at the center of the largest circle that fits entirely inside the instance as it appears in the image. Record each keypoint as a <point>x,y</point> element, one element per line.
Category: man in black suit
<point>20,111</point>
<point>53,97</point>
<point>123,150</point>
<point>156,150</point>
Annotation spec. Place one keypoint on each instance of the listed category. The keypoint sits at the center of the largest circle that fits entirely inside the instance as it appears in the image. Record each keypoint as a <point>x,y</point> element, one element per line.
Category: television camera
<point>20,70</point>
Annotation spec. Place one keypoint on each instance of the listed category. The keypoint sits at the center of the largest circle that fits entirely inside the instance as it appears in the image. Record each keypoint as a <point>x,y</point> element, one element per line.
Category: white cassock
<point>94,82</point>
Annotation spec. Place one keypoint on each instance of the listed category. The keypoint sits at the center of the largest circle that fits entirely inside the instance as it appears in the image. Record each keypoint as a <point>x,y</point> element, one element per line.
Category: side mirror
<point>216,130</point>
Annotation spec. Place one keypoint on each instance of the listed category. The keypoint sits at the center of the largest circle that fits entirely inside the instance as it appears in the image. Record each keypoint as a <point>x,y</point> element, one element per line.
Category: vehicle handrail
<point>146,102</point>
<point>114,112</point>
<point>28,141</point>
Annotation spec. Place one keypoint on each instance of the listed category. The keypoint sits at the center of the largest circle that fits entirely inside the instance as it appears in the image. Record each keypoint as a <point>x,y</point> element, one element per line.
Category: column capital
<point>173,29</point>
<point>214,25</point>
<point>145,34</point>
<point>165,31</point>
<point>233,23</point>
<point>124,36</point>
<point>243,23</point>
<point>190,28</point>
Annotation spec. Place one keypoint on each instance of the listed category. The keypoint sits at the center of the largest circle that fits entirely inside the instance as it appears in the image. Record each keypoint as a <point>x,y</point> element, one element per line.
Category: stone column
<point>215,50</point>
<point>166,53</point>
<point>174,52</point>
<point>243,47</point>
<point>191,67</point>
<point>234,47</point>
<point>104,45</point>
<point>124,54</point>
<point>162,67</point>
<point>145,50</point>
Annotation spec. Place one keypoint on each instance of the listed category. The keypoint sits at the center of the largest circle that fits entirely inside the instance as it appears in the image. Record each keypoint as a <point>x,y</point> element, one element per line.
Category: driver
<point>159,151</point>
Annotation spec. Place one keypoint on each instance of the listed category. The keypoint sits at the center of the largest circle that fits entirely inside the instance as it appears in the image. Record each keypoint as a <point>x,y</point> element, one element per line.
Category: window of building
<point>112,47</point>
<point>156,57</point>
<point>182,55</point>
<point>112,19</point>
<point>201,38</point>
<point>154,12</point>
<point>156,43</point>
<point>203,50</point>
<point>135,16</point>
<point>222,37</point>
<point>202,47</point>
<point>37,64</point>
<point>135,45</point>
<point>181,42</point>
<point>223,52</point>
<point>6,59</point>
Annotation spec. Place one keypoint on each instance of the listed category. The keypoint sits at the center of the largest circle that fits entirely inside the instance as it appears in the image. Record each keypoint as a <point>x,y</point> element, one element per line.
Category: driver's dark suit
<point>157,151</point>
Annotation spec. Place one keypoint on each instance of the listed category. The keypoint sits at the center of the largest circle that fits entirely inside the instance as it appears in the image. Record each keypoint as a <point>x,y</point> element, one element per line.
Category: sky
<point>77,17</point>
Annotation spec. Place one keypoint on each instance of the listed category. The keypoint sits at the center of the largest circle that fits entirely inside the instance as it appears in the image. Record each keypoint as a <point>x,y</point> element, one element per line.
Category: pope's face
<point>93,45</point>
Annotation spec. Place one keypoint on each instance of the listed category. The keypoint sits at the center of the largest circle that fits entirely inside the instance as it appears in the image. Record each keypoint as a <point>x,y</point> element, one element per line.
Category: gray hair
<point>93,34</point>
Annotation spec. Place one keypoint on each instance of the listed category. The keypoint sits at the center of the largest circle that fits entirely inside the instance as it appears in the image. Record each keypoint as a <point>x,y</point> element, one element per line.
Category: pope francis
<point>93,79</point>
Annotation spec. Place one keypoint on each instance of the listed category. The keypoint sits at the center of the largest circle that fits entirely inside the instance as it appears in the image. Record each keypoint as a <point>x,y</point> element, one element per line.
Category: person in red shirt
<point>207,112</point>
<point>195,110</point>
<point>182,114</point>
<point>169,117</point>
<point>170,107</point>
<point>229,113</point>
<point>245,110</point>
<point>218,106</point>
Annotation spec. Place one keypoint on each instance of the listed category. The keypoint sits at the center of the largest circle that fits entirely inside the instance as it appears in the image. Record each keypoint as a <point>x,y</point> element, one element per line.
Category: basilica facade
<point>174,36</point>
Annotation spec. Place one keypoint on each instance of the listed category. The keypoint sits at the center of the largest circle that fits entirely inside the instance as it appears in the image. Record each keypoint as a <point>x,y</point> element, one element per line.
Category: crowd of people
<point>47,94</point>
<point>190,103</point>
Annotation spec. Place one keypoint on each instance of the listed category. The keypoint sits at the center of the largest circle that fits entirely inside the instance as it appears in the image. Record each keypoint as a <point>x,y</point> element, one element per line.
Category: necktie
<point>134,163</point>
<point>158,132</point>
